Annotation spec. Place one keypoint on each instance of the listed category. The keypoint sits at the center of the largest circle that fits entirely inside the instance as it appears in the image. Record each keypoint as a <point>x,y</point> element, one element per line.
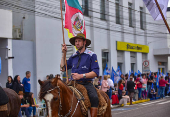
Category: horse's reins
<point>60,106</point>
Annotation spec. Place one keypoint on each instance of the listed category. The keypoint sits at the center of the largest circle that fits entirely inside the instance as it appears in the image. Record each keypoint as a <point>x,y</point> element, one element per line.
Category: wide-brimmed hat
<point>20,93</point>
<point>81,36</point>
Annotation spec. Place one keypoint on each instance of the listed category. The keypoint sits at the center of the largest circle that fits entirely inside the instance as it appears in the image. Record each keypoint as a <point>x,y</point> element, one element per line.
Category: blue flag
<point>105,70</point>
<point>152,86</point>
<point>0,65</point>
<point>119,71</point>
<point>139,72</point>
<point>150,73</point>
<point>112,75</point>
<point>136,74</point>
<point>157,80</point>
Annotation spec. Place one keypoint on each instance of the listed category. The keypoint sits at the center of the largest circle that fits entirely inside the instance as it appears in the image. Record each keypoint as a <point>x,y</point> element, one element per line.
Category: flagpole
<point>63,39</point>
<point>162,15</point>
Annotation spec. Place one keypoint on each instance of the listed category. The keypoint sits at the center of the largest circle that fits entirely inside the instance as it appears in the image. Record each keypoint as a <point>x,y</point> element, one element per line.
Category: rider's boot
<point>93,112</point>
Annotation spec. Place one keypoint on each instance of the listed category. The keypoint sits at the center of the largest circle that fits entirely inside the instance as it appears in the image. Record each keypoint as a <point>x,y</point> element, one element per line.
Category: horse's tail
<point>14,103</point>
<point>108,110</point>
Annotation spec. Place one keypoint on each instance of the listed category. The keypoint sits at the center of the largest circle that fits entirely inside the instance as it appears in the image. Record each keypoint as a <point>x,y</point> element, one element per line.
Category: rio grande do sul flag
<point>74,19</point>
<point>153,9</point>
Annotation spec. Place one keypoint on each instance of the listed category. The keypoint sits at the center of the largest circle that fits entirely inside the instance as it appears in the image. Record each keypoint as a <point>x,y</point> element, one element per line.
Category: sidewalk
<point>135,102</point>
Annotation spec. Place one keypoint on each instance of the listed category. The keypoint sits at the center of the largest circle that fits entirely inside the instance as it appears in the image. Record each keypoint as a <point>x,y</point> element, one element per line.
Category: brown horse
<point>60,100</point>
<point>13,105</point>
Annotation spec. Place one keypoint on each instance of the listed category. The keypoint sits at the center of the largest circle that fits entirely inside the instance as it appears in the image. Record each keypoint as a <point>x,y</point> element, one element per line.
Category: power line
<point>47,15</point>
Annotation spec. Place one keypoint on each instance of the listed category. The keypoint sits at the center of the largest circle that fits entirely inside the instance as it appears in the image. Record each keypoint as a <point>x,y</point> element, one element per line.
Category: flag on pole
<point>112,75</point>
<point>153,9</point>
<point>74,19</point>
<point>139,72</point>
<point>136,74</point>
<point>157,80</point>
<point>152,86</point>
<point>105,70</point>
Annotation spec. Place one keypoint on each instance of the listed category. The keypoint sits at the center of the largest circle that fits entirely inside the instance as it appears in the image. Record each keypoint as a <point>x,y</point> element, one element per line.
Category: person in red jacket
<point>120,88</point>
<point>162,84</point>
<point>139,86</point>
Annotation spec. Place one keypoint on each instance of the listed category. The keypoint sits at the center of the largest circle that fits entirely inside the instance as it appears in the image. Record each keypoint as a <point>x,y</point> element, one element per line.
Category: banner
<point>74,19</point>
<point>125,46</point>
<point>153,9</point>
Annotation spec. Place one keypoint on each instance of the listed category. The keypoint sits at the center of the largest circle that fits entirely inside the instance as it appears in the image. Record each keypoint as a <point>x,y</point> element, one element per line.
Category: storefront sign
<point>146,66</point>
<point>124,46</point>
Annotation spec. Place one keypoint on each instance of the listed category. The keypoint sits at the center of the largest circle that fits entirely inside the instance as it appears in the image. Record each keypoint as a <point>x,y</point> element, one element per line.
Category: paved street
<point>156,108</point>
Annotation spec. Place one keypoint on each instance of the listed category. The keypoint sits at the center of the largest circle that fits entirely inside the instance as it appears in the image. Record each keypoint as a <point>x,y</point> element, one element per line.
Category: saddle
<point>81,94</point>
<point>3,100</point>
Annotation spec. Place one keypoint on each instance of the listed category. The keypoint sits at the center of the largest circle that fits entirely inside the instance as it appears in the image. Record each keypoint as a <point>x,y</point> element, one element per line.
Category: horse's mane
<point>47,85</point>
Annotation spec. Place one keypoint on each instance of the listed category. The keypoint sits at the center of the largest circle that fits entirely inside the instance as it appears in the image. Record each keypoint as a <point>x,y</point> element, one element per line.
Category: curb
<point>136,102</point>
<point>139,101</point>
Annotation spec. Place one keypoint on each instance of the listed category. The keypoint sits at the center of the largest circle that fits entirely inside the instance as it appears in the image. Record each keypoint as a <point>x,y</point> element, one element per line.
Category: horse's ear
<point>40,82</point>
<point>55,80</point>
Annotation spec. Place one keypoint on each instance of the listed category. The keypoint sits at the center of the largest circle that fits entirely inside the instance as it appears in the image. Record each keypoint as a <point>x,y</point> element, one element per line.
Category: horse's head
<point>50,92</point>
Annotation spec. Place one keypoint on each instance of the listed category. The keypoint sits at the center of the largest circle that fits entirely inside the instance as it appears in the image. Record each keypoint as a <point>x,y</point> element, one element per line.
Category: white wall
<point>22,52</point>
<point>4,61</point>
<point>5,23</point>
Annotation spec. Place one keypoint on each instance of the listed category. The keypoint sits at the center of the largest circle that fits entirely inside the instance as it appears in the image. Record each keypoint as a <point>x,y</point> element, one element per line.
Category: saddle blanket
<point>3,107</point>
<point>81,93</point>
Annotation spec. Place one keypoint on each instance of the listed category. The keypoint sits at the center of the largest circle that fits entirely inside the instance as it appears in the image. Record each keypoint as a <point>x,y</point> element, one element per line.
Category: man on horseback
<point>84,66</point>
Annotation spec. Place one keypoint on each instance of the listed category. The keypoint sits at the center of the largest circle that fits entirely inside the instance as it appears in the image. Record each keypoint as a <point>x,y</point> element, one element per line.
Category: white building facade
<point>38,48</point>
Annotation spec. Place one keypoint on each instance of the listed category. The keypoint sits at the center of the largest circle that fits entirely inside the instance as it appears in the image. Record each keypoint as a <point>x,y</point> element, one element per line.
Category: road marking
<point>122,109</point>
<point>164,102</point>
<point>151,102</point>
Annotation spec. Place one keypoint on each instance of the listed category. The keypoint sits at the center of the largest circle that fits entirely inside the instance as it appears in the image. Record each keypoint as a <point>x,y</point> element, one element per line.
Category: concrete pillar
<point>168,64</point>
<point>10,65</point>
<point>113,54</point>
<point>139,61</point>
<point>127,61</point>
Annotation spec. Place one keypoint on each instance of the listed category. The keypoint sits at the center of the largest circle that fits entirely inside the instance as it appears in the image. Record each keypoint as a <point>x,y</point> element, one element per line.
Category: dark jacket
<point>17,86</point>
<point>130,86</point>
<point>3,97</point>
<point>9,85</point>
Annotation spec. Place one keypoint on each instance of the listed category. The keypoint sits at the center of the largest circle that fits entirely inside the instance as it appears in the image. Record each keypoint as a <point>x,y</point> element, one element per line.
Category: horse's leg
<point>4,113</point>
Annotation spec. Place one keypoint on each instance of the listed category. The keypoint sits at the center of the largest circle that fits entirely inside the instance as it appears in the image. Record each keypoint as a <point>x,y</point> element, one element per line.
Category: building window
<point>102,10</point>
<point>63,5</point>
<point>141,18</point>
<point>117,12</point>
<point>85,7</point>
<point>120,66</point>
<point>104,59</point>
<point>132,67</point>
<point>130,14</point>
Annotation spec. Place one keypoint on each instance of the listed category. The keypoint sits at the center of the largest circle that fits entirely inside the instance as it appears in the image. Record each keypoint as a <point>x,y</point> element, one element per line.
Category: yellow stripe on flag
<point>70,35</point>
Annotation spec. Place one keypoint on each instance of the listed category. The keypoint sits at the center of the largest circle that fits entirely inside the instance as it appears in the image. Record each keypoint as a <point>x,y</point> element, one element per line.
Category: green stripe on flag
<point>74,4</point>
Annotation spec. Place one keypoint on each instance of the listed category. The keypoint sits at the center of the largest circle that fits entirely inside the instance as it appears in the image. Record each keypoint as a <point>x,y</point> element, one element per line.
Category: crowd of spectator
<point>23,89</point>
<point>131,88</point>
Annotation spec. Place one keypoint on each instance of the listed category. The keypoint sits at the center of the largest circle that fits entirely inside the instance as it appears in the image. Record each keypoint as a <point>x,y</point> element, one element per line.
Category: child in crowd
<point>24,106</point>
<point>124,99</point>
<point>32,104</point>
<point>153,93</point>
<point>144,87</point>
<point>115,100</point>
<point>120,88</point>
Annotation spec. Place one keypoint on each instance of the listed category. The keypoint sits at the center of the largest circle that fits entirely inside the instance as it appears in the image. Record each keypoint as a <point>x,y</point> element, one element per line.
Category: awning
<point>163,51</point>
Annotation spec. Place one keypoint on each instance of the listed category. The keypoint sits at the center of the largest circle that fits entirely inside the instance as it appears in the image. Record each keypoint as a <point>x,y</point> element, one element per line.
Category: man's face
<point>80,43</point>
<point>29,75</point>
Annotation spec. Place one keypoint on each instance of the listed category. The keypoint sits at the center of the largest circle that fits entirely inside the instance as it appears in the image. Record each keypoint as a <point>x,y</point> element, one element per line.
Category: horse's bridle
<point>60,105</point>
